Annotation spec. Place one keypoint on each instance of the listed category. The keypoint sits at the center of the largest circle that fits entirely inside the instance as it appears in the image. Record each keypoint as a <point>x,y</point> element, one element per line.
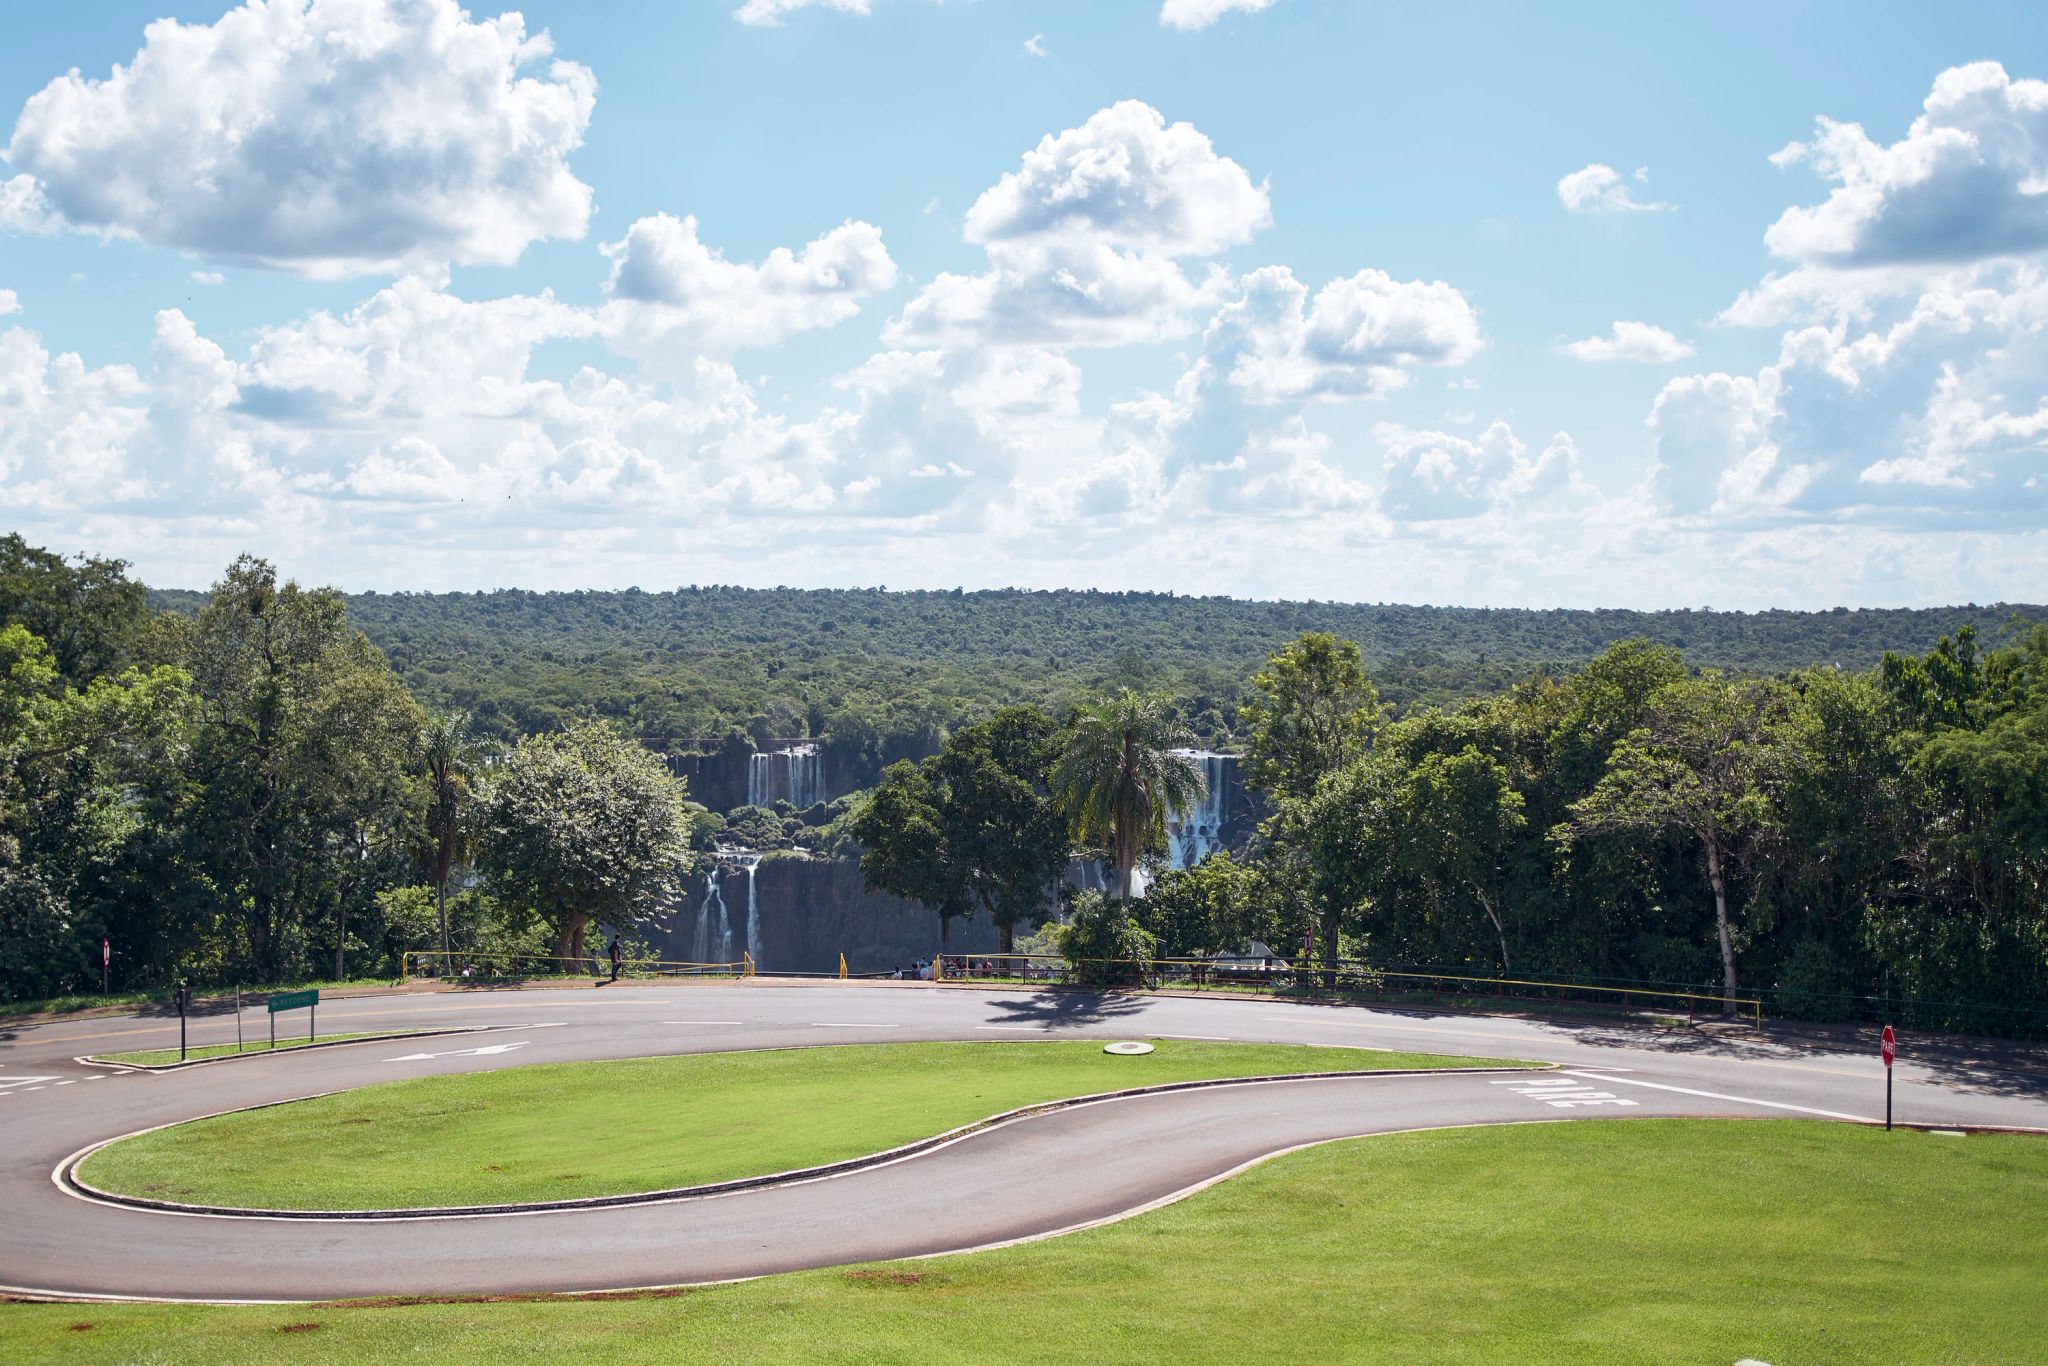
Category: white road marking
<point>485,1051</point>
<point>1716,1095</point>
<point>1561,1093</point>
<point>68,1083</point>
<point>844,1024</point>
<point>21,1081</point>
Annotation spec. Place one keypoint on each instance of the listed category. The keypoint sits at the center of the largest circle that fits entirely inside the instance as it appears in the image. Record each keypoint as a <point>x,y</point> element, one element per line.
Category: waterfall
<point>806,776</point>
<point>753,913</point>
<point>795,775</point>
<point>714,900</point>
<point>1194,835</point>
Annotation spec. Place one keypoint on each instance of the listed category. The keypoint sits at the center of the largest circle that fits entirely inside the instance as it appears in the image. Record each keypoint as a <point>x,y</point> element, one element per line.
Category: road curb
<point>96,1060</point>
<point>67,1178</point>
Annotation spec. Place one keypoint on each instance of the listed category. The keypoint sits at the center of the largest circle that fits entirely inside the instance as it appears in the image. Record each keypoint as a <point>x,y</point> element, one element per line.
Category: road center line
<point>1716,1095</point>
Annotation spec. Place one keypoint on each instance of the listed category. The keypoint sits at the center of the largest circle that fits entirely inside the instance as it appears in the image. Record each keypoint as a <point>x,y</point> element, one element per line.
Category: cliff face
<point>811,910</point>
<point>719,781</point>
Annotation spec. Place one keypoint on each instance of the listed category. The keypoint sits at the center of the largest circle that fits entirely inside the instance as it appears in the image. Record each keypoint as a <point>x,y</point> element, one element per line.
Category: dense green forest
<point>881,675</point>
<point>268,782</point>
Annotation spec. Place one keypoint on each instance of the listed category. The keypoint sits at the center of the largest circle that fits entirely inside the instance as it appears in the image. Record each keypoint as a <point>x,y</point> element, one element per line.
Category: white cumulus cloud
<point>22,206</point>
<point>1194,14</point>
<point>1432,476</point>
<point>10,302</point>
<point>1129,179</point>
<point>1601,189</point>
<point>1968,181</point>
<point>669,291</point>
<point>1086,239</point>
<point>767,13</point>
<point>330,138</point>
<point>1358,336</point>
<point>1630,341</point>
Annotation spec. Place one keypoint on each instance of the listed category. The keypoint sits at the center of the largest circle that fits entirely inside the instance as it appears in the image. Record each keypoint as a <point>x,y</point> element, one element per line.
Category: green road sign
<point>293,1000</point>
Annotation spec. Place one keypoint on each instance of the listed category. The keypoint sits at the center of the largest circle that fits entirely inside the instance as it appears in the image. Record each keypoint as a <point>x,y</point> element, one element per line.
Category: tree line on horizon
<point>879,675</point>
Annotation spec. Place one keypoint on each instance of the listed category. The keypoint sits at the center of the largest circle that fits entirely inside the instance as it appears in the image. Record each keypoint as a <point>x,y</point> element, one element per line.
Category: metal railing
<point>1347,978</point>
<point>473,966</point>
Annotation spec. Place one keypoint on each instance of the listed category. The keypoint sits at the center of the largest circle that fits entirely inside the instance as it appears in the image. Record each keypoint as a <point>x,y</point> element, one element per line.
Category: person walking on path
<point>615,958</point>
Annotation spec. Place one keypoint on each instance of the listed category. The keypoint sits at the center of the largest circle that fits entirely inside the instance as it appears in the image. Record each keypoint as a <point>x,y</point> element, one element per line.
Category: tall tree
<point>1711,763</point>
<point>300,757</point>
<point>1119,779</point>
<point>450,754</point>
<point>972,826</point>
<point>88,611</point>
<point>583,824</point>
<point>1462,815</point>
<point>68,759</point>
<point>1311,711</point>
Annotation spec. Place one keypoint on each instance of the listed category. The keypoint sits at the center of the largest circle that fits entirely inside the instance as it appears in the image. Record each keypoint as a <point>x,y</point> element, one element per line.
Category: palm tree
<point>1118,779</point>
<point>451,755</point>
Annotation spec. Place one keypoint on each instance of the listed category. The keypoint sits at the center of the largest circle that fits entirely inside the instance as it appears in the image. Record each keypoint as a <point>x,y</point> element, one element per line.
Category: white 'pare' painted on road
<point>1561,1093</point>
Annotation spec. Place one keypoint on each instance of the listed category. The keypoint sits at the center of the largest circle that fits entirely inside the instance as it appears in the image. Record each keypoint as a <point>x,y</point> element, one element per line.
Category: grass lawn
<point>149,1057</point>
<point>1783,1241</point>
<point>566,1130</point>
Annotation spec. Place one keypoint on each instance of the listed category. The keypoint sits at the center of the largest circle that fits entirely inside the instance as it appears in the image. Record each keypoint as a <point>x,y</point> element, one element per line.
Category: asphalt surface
<point>1033,1177</point>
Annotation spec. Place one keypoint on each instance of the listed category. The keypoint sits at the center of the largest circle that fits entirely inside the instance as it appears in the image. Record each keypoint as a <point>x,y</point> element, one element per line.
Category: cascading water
<point>1196,834</point>
<point>712,906</point>
<point>753,913</point>
<point>795,775</point>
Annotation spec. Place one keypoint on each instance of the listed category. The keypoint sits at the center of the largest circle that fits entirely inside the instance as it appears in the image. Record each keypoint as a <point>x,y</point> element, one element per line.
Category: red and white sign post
<point>106,957</point>
<point>1891,1050</point>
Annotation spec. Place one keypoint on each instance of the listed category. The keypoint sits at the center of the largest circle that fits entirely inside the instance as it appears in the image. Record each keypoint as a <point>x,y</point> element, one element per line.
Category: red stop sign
<point>1891,1045</point>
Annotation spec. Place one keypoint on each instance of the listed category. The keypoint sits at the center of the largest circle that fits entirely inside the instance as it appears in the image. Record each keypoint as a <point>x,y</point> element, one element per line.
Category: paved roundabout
<point>1037,1175</point>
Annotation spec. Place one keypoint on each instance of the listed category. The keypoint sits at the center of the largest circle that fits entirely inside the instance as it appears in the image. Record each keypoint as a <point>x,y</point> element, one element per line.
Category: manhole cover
<point>1127,1049</point>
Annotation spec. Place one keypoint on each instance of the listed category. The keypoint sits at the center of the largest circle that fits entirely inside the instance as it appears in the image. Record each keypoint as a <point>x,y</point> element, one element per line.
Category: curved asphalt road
<point>1029,1178</point>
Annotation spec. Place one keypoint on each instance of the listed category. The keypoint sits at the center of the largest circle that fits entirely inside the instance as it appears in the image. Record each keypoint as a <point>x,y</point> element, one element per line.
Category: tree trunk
<point>1007,942</point>
<point>1328,930</point>
<point>569,942</point>
<point>1720,885</point>
<point>340,935</point>
<point>441,910</point>
<point>1499,930</point>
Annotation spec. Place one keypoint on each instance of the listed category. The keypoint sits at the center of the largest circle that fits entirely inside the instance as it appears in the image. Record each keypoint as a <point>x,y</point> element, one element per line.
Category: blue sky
<point>1487,304</point>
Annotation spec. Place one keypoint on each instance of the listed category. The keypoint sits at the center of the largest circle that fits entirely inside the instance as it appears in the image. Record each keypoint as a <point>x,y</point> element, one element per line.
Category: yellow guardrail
<point>1350,975</point>
<point>457,964</point>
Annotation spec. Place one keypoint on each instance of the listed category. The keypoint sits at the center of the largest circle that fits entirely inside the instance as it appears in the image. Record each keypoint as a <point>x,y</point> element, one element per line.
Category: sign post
<point>1890,1047</point>
<point>182,996</point>
<point>309,1001</point>
<point>106,958</point>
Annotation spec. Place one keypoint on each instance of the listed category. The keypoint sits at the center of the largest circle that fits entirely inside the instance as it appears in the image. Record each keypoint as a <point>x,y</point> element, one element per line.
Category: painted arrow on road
<point>487,1049</point>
